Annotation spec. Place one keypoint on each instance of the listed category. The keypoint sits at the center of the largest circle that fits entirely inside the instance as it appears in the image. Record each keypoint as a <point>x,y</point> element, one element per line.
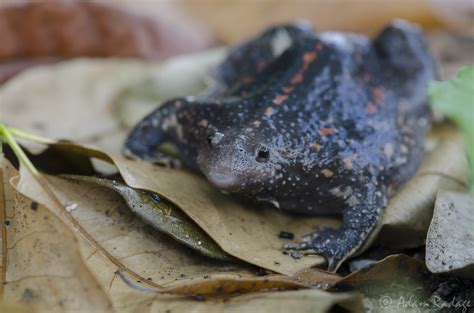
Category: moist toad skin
<point>313,123</point>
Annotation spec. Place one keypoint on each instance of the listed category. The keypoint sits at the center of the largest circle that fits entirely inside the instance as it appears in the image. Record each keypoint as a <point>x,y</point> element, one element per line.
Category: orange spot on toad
<point>269,111</point>
<point>308,57</point>
<point>378,93</point>
<point>371,108</point>
<point>298,78</point>
<point>280,99</point>
<point>326,131</point>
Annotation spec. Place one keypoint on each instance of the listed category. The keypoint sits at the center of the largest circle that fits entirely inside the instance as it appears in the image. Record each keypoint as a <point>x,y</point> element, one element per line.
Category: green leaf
<point>455,99</point>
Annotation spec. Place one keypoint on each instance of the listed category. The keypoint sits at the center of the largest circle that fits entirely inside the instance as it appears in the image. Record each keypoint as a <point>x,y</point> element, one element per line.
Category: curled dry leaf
<point>400,283</point>
<point>65,29</point>
<point>388,269</point>
<point>41,262</point>
<point>311,278</point>
<point>161,215</point>
<point>313,301</point>
<point>143,253</point>
<point>302,301</point>
<point>450,240</point>
<point>388,285</point>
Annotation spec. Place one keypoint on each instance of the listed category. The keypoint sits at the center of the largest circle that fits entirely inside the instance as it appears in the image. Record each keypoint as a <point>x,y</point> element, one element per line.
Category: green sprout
<point>8,134</point>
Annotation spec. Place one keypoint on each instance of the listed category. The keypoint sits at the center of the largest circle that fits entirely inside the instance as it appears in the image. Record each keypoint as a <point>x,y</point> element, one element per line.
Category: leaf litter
<point>128,299</point>
<point>42,266</point>
<point>404,225</point>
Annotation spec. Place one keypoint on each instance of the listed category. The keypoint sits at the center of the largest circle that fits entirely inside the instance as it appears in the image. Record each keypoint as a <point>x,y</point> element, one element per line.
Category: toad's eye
<point>262,154</point>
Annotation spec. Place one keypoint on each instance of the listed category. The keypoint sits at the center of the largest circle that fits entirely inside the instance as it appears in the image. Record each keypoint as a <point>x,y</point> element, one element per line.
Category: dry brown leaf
<point>14,308</point>
<point>149,255</point>
<point>388,269</point>
<point>400,283</point>
<point>302,301</point>
<point>248,233</point>
<point>389,285</point>
<point>42,266</point>
<point>450,240</point>
<point>68,29</point>
<point>310,301</point>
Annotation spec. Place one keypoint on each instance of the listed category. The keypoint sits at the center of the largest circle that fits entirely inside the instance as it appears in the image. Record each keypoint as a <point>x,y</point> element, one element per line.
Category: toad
<point>310,122</point>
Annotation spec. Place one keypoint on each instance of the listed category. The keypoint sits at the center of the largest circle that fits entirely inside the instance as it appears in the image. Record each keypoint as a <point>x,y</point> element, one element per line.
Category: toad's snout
<point>222,181</point>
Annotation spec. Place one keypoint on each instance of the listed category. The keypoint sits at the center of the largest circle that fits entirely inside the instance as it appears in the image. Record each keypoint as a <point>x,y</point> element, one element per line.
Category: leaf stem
<point>24,135</point>
<point>20,154</point>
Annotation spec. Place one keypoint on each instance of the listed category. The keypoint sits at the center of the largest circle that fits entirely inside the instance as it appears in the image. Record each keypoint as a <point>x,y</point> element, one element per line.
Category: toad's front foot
<point>335,245</point>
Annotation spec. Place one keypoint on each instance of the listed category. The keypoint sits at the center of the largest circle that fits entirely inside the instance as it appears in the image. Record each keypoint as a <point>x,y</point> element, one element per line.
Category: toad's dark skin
<point>314,123</point>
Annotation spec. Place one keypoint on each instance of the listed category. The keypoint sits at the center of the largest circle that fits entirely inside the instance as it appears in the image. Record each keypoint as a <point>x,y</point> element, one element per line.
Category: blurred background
<point>39,32</point>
